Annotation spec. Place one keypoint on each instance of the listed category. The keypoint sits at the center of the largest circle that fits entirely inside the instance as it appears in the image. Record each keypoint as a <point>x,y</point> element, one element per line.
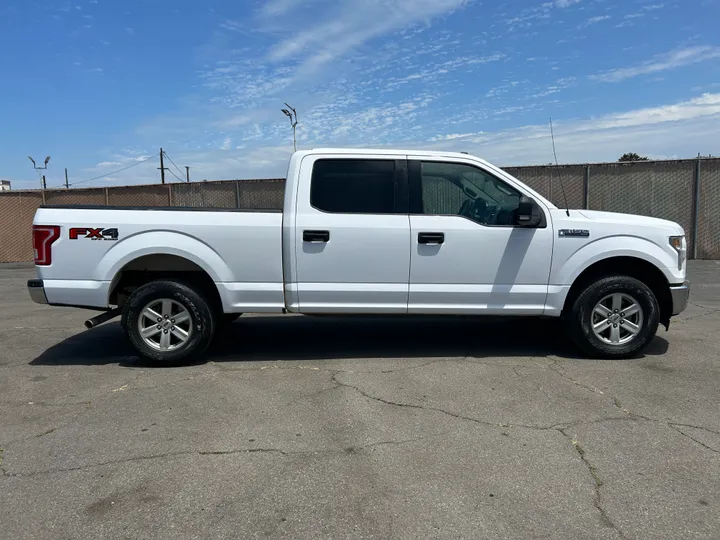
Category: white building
<point>4,185</point>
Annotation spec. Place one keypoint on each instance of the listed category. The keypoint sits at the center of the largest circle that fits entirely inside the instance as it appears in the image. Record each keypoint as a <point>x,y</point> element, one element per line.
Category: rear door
<point>468,254</point>
<point>352,234</point>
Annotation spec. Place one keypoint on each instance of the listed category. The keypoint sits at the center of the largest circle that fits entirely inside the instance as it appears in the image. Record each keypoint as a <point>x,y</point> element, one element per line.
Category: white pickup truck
<point>366,231</point>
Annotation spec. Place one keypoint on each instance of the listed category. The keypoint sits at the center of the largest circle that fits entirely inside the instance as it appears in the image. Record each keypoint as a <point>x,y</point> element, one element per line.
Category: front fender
<point>162,243</point>
<point>565,272</point>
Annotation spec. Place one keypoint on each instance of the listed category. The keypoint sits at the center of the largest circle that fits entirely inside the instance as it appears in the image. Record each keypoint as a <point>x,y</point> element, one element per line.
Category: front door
<point>468,256</point>
<point>352,235</point>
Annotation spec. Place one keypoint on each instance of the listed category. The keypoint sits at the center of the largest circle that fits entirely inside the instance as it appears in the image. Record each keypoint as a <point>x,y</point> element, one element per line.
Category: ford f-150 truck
<point>366,232</point>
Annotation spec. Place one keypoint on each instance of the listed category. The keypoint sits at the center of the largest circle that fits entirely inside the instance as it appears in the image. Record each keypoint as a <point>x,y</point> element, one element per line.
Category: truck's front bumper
<point>36,289</point>
<point>680,295</point>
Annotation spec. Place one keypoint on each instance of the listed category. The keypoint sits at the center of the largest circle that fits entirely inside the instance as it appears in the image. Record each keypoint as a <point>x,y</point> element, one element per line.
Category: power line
<point>175,175</point>
<point>171,161</point>
<point>115,172</point>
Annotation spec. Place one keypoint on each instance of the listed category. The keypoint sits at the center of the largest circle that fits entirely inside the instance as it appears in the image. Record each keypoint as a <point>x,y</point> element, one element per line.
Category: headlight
<point>679,244</point>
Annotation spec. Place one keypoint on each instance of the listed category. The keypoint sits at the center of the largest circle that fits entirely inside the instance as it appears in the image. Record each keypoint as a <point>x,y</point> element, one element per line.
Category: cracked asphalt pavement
<point>304,427</point>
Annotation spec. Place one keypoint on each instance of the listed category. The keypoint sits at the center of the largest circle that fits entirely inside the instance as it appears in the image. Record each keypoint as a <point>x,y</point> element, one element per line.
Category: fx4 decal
<point>93,233</point>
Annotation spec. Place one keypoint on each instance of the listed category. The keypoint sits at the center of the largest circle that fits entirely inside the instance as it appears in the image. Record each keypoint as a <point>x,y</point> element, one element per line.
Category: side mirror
<point>528,213</point>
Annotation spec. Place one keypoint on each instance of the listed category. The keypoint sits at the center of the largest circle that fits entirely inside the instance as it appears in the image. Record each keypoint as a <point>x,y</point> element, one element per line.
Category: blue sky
<point>102,85</point>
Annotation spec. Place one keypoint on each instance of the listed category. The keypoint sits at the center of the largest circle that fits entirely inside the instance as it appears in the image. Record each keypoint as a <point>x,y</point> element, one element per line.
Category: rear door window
<point>354,186</point>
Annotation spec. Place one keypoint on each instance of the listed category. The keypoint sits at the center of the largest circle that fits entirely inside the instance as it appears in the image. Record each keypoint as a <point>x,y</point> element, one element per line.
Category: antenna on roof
<point>557,166</point>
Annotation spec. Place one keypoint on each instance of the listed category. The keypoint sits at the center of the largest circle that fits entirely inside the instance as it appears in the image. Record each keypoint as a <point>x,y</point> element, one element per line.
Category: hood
<point>629,219</point>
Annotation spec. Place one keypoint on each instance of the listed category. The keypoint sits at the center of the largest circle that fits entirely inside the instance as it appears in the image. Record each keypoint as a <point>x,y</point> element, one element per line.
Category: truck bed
<point>241,251</point>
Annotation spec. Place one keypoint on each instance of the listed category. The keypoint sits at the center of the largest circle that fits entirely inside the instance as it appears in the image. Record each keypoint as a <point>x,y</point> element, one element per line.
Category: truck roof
<point>386,151</point>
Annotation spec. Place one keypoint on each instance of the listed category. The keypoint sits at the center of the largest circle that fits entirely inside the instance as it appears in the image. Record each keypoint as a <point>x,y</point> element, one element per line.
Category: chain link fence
<point>645,189</point>
<point>17,209</point>
<point>708,210</point>
<point>550,181</point>
<point>662,189</point>
<point>685,191</point>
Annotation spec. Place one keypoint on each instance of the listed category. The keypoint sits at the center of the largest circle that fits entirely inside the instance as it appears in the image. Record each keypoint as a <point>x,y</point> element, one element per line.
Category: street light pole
<point>38,169</point>
<point>293,122</point>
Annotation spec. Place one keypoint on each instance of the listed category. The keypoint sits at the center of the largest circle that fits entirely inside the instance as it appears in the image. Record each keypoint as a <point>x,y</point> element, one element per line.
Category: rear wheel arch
<point>634,267</point>
<point>163,266</point>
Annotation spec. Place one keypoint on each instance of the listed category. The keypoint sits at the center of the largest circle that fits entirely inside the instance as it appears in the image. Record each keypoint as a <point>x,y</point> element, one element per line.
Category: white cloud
<point>679,129</point>
<point>671,60</point>
<point>703,106</point>
<point>595,20</point>
<point>273,8</point>
<point>528,16</point>
<point>350,24</point>
<point>108,164</point>
<point>653,7</point>
<point>433,71</point>
<point>455,136</point>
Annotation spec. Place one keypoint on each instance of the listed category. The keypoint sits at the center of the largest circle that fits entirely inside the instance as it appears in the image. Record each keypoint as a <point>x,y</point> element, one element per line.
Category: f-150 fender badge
<point>93,233</point>
<point>574,233</point>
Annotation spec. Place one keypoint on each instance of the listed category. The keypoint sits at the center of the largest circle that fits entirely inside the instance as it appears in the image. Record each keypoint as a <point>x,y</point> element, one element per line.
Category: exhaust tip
<point>103,317</point>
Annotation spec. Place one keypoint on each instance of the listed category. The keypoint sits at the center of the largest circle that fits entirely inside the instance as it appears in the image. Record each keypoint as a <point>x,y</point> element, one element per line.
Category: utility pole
<point>162,166</point>
<point>187,173</point>
<point>67,185</point>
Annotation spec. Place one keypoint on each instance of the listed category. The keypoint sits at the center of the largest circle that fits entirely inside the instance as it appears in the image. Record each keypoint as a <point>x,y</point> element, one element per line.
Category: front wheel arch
<point>640,269</point>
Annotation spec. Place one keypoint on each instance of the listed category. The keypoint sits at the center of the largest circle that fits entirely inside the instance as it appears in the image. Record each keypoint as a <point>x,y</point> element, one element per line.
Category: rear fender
<point>162,243</point>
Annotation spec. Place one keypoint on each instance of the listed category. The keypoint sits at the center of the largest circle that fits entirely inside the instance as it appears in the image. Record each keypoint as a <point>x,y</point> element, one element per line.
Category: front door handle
<point>431,238</point>
<point>316,236</point>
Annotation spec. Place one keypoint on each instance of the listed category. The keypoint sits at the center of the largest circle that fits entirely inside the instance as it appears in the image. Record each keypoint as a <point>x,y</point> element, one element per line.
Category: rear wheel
<point>615,317</point>
<point>168,322</point>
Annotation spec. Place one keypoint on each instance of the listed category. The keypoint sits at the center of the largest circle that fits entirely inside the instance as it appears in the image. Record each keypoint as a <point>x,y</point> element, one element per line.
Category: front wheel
<point>168,322</point>
<point>614,318</point>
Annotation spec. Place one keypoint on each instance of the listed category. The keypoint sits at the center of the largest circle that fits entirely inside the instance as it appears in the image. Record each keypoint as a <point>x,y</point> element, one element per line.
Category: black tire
<point>580,316</point>
<point>201,315</point>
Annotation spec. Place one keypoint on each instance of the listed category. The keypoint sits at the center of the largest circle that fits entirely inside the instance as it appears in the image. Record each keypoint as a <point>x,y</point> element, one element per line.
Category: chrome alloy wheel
<point>165,325</point>
<point>617,319</point>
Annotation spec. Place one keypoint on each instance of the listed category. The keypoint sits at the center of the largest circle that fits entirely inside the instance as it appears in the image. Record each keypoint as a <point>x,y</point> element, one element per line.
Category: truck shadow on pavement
<point>270,338</point>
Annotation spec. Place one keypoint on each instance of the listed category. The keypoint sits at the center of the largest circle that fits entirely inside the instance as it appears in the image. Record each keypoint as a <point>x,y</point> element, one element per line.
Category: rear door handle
<point>432,238</point>
<point>316,236</point>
